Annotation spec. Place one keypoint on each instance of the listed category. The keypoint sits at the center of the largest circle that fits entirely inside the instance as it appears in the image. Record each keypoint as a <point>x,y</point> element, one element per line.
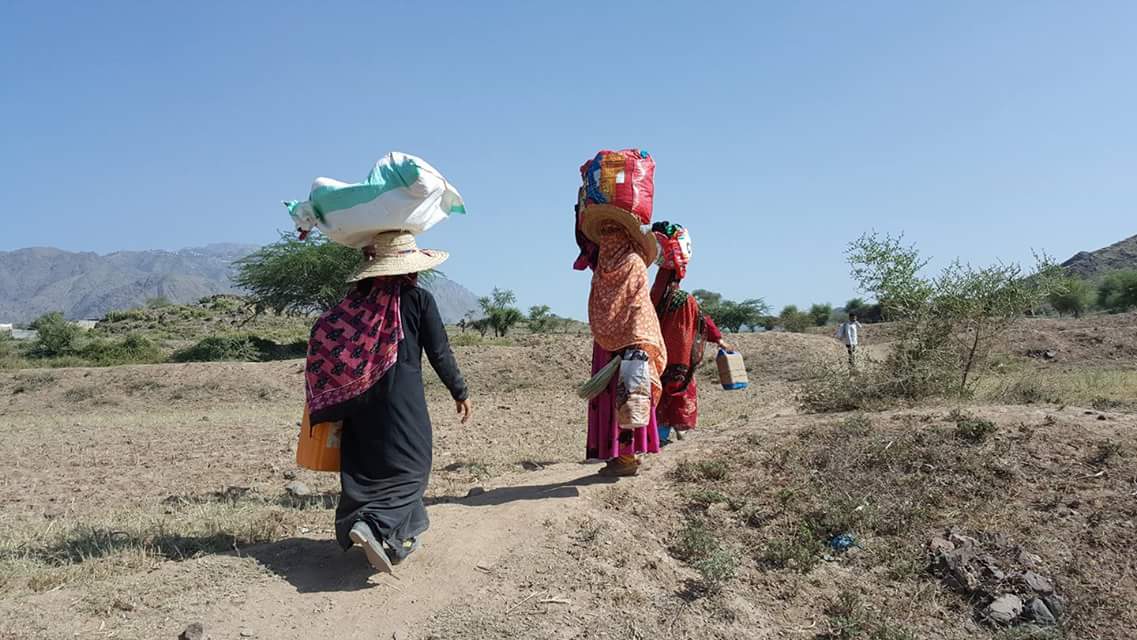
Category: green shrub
<point>698,546</point>
<point>794,320</point>
<point>833,388</point>
<point>467,340</point>
<point>133,349</point>
<point>857,425</point>
<point>219,349</point>
<point>707,497</point>
<point>57,336</point>
<point>1071,296</point>
<point>126,315</point>
<point>1118,291</point>
<point>240,348</point>
<point>705,470</point>
<point>820,314</point>
<point>971,428</point>
<point>798,549</point>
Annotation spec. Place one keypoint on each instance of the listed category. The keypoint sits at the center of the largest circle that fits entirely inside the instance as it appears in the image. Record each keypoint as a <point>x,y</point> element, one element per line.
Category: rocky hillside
<point>87,285</point>
<point>1091,264</point>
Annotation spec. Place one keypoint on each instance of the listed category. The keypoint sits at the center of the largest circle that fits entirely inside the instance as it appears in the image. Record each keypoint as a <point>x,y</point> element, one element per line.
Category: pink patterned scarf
<point>354,343</point>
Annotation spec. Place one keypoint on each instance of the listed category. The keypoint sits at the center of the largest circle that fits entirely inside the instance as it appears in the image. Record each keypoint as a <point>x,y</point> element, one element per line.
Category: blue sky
<point>781,130</point>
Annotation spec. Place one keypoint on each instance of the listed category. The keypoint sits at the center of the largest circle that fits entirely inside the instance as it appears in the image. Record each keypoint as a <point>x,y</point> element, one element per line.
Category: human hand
<point>465,409</point>
<point>725,346</point>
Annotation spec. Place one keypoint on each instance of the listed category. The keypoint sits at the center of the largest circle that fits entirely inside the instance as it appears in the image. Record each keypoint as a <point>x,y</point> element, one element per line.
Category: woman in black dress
<point>365,368</point>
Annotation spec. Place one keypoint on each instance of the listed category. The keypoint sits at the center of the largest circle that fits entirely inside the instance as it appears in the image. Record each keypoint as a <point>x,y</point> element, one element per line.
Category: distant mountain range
<point>85,285</point>
<point>1091,264</point>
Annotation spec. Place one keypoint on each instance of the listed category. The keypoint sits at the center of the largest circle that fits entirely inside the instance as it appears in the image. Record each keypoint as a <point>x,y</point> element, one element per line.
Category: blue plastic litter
<point>842,542</point>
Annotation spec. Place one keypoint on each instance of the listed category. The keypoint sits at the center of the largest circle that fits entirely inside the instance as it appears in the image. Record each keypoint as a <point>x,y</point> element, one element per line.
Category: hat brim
<point>593,217</point>
<point>399,265</point>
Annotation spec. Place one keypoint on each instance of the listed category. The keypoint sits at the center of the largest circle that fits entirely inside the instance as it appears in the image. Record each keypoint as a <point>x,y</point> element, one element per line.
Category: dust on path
<point>317,590</point>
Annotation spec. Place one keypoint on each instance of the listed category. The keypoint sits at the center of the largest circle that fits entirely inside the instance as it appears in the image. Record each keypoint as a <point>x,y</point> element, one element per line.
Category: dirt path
<point>319,591</point>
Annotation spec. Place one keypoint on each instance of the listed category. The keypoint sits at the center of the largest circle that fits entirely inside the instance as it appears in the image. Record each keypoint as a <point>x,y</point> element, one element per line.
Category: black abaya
<point>386,447</point>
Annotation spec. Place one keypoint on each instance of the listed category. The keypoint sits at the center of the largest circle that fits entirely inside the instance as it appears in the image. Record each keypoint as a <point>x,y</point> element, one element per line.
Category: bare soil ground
<point>137,500</point>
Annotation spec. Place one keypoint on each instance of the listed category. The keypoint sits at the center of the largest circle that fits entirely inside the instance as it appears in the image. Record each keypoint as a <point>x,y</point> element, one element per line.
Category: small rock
<point>1005,609</point>
<point>1037,583</point>
<point>1056,604</point>
<point>475,491</point>
<point>957,572</point>
<point>245,633</point>
<point>193,632</point>
<point>991,568</point>
<point>289,475</point>
<point>298,489</point>
<point>1029,560</point>
<point>1101,417</point>
<point>1041,613</point>
<point>960,540</point>
<point>939,546</point>
<point>1050,354</point>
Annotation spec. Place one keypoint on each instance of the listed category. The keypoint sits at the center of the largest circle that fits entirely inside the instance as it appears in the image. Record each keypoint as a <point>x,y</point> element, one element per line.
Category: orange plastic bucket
<point>319,448</point>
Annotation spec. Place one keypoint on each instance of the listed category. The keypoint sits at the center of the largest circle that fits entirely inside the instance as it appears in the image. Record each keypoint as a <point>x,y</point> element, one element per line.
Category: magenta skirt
<point>606,440</point>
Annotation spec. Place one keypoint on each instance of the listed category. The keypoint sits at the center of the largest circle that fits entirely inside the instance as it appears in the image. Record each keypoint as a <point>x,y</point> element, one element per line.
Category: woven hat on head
<point>593,218</point>
<point>395,253</point>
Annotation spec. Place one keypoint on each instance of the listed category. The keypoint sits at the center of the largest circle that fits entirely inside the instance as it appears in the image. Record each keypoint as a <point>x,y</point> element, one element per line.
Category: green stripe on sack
<point>383,178</point>
<point>326,200</point>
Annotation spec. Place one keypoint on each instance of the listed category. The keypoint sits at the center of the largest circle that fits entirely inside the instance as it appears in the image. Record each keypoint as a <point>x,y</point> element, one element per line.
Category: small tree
<point>1118,291</point>
<point>499,311</point>
<point>57,336</point>
<point>948,323</point>
<point>820,314</point>
<point>481,325</point>
<point>300,277</point>
<point>710,303</point>
<point>541,320</point>
<point>1071,296</point>
<point>982,303</point>
<point>855,306</point>
<point>729,314</point>
<point>793,319</point>
<point>747,313</point>
<point>297,277</point>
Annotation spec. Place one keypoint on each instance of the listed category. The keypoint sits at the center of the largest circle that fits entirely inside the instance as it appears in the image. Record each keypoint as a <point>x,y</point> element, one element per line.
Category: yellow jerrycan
<point>319,448</point>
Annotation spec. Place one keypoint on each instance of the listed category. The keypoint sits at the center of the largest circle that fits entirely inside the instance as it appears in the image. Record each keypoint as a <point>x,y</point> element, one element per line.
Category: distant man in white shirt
<point>848,333</point>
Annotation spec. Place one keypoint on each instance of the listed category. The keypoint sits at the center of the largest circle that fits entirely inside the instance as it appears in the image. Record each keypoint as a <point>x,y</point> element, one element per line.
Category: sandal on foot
<point>410,545</point>
<point>619,470</point>
<point>362,535</point>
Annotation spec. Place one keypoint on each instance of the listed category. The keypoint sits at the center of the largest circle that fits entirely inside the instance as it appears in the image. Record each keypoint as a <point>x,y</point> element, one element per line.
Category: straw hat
<point>593,217</point>
<point>394,253</point>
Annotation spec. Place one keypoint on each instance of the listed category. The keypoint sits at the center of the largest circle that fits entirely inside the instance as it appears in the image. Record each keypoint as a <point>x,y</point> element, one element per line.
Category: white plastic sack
<point>402,193</point>
<point>633,390</point>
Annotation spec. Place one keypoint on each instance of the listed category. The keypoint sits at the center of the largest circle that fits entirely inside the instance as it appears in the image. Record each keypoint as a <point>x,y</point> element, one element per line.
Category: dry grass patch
<point>1104,390</point>
<point>64,551</point>
<point>892,482</point>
